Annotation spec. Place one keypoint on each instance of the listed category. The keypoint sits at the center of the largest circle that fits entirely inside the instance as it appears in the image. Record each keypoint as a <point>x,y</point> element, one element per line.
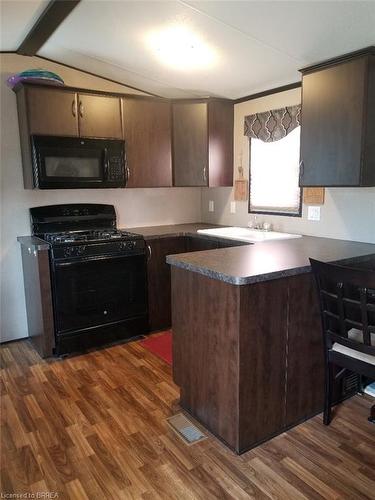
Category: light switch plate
<point>313,213</point>
<point>232,207</point>
<point>211,206</point>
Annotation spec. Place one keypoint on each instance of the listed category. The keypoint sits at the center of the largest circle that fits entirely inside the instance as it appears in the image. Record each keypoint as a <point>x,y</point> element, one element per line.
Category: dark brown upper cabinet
<point>46,110</point>
<point>193,136</point>
<point>203,143</point>
<point>147,133</point>
<point>338,122</point>
<point>99,116</point>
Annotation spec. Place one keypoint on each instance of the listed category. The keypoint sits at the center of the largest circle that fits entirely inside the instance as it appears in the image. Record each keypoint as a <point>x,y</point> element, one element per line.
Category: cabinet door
<point>52,112</point>
<point>196,244</point>
<point>190,144</point>
<point>220,139</point>
<point>159,280</point>
<point>331,133</point>
<point>99,116</point>
<point>147,132</point>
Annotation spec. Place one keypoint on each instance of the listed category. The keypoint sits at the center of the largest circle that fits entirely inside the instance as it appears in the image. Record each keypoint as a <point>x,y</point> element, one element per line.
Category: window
<point>274,175</point>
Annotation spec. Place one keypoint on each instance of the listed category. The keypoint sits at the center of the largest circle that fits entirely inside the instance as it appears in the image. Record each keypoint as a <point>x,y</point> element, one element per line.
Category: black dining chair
<point>347,306</point>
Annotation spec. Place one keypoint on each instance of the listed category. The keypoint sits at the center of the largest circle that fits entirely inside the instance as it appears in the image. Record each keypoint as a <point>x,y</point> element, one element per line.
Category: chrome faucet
<point>262,226</point>
<point>254,224</point>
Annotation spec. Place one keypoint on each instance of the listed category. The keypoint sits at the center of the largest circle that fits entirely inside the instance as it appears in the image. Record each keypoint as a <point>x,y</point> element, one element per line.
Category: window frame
<point>263,212</point>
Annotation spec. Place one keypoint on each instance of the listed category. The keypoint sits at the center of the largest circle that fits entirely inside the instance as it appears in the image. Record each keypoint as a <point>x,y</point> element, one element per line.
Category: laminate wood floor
<point>94,427</point>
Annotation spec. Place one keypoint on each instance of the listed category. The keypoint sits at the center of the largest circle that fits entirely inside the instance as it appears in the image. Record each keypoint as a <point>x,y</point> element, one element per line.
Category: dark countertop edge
<point>257,278</point>
<point>171,232</point>
<point>189,233</point>
<point>161,236</point>
<point>33,242</point>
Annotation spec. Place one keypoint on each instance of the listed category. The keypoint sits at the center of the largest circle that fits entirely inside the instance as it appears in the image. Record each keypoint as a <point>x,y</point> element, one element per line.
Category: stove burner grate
<point>94,235</point>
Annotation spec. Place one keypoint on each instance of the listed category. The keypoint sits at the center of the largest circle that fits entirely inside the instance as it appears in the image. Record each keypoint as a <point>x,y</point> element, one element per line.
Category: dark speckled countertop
<point>33,243</point>
<point>148,232</point>
<point>271,260</point>
<point>249,263</point>
<point>169,231</point>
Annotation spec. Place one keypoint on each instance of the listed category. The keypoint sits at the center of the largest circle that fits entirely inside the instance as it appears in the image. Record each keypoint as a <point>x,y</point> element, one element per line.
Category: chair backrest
<point>347,305</point>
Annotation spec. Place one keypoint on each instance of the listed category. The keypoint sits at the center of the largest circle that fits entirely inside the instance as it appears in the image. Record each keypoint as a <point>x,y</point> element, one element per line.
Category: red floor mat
<point>160,345</point>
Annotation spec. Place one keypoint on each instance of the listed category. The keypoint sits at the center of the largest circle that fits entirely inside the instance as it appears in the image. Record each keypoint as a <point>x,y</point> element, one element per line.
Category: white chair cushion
<point>356,335</point>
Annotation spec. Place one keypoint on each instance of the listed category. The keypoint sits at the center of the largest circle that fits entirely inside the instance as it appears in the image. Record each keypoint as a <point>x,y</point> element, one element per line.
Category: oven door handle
<point>67,263</point>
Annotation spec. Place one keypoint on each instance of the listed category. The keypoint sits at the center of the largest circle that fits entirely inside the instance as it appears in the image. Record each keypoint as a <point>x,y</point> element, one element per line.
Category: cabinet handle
<point>205,174</point>
<point>149,249</point>
<point>74,108</point>
<point>81,109</point>
<point>301,168</point>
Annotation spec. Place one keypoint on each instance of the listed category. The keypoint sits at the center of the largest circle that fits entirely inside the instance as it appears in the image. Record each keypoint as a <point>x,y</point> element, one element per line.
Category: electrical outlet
<point>232,207</point>
<point>313,213</point>
<point>211,206</point>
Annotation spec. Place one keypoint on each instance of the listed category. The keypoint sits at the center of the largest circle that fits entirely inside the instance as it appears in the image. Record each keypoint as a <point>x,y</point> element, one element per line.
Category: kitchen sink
<point>247,234</point>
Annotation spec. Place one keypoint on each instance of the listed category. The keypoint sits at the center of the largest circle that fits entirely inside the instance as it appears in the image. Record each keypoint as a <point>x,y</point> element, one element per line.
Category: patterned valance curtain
<point>273,125</point>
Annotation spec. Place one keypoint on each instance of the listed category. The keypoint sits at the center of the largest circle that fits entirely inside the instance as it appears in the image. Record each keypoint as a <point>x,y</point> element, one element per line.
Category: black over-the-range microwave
<point>75,162</point>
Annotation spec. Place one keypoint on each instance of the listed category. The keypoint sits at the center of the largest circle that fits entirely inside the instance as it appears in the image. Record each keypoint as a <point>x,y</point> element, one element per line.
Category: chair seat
<point>356,335</point>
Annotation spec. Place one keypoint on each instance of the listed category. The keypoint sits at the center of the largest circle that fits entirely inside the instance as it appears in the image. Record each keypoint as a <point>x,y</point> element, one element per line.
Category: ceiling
<point>256,45</point>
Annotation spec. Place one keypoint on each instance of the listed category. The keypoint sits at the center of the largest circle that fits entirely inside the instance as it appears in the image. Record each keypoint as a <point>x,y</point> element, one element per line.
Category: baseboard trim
<point>4,342</point>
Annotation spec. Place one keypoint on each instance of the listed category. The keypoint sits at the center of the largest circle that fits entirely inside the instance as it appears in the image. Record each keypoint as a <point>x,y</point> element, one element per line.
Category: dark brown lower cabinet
<point>159,279</point>
<point>248,359</point>
<point>159,274</point>
<point>197,244</point>
<point>38,296</point>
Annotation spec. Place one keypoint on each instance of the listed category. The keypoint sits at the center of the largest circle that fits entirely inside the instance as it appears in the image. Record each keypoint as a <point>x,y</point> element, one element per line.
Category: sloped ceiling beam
<point>50,19</point>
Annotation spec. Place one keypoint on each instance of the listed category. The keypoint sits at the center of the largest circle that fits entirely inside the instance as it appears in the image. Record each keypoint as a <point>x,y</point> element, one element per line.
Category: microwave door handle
<point>106,164</point>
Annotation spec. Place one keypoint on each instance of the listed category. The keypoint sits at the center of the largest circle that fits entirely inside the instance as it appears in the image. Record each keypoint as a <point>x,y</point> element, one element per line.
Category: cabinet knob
<point>81,109</point>
<point>74,108</point>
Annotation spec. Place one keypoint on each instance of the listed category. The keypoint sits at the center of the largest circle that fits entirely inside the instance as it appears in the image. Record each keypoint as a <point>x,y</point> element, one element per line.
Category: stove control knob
<point>68,251</point>
<point>131,245</point>
<point>81,250</point>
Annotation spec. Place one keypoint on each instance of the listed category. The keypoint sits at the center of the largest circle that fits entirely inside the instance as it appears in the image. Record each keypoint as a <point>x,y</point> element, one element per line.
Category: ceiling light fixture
<point>177,47</point>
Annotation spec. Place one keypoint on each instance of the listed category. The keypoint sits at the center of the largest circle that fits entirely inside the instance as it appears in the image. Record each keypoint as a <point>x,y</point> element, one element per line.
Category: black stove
<point>98,273</point>
<point>83,230</point>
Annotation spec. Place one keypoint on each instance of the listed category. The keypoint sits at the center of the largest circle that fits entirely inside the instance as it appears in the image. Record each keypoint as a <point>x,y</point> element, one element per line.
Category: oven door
<point>98,291</point>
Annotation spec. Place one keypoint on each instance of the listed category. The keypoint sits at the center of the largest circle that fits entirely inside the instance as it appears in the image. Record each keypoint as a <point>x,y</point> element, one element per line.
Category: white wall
<point>135,207</point>
<point>348,213</point>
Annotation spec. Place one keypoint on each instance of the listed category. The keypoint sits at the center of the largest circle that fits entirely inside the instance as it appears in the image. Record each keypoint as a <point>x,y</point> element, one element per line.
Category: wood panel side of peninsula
<point>248,359</point>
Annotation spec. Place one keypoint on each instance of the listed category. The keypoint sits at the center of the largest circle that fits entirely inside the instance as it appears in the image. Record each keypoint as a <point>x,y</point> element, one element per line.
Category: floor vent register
<point>185,429</point>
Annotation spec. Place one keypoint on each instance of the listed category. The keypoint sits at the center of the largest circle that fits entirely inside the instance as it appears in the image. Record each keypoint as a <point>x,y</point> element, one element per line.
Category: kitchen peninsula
<point>247,346</point>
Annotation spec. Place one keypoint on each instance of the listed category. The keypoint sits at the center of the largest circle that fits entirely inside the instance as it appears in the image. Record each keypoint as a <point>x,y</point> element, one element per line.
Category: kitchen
<point>160,214</point>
